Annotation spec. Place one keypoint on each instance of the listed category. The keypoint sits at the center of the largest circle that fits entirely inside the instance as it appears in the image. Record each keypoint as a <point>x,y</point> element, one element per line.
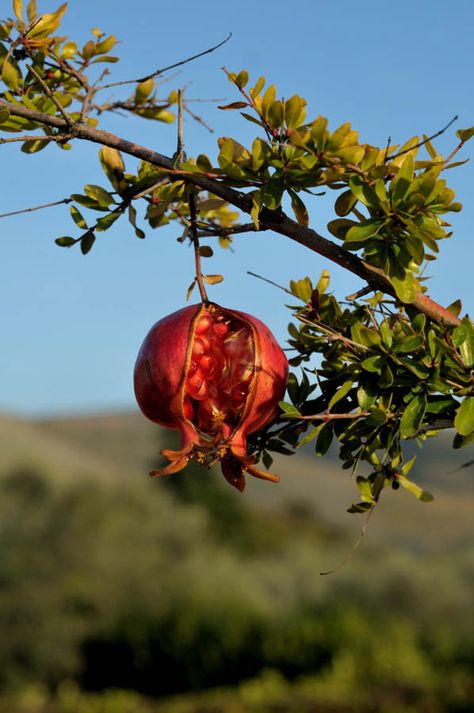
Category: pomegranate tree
<point>216,375</point>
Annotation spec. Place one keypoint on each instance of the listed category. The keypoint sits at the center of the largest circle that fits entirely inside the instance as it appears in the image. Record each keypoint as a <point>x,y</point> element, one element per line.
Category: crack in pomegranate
<point>220,373</point>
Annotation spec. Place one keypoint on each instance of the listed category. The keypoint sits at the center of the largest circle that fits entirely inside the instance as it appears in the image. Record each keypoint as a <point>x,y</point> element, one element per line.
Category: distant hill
<point>119,446</point>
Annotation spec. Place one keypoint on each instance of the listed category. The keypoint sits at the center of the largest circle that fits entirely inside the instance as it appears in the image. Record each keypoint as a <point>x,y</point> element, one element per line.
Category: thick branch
<point>274,220</point>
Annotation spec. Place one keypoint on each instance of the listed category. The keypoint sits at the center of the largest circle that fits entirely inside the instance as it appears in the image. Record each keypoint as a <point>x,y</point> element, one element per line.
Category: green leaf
<point>463,338</point>
<point>462,441</point>
<point>275,114</point>
<point>48,23</point>
<point>363,231</point>
<point>272,192</point>
<point>289,409</point>
<point>402,180</point>
<point>324,439</point>
<point>257,204</point>
<point>78,218</point>
<point>340,393</point>
<point>99,194</point>
<point>294,108</point>
<point>340,226</point>
<point>415,489</point>
<point>373,364</point>
<point>241,79</point>
<point>345,203</point>
<point>406,288</point>
<point>106,221</point>
<point>10,76</point>
<point>412,416</point>
<point>65,242</point>
<point>465,134</point>
<point>258,87</point>
<point>87,241</point>
<point>4,115</point>
<point>409,344</point>
<point>30,147</point>
<point>143,90</point>
<point>464,420</point>
<point>310,436</point>
<point>299,208</point>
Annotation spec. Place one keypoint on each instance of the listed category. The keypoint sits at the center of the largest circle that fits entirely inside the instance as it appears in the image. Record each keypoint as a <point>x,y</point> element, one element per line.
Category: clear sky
<point>71,325</point>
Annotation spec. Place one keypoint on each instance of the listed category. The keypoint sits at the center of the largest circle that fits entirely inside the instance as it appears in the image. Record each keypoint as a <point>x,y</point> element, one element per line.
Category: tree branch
<point>274,220</point>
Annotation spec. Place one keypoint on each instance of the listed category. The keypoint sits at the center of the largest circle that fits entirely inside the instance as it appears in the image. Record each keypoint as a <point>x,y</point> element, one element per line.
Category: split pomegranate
<point>216,375</point>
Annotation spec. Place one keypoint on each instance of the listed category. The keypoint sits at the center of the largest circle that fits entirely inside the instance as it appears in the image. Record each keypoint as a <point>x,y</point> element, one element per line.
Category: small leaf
<point>412,416</point>
<point>463,338</point>
<point>18,9</point>
<point>341,392</point>
<point>87,241</point>
<point>345,203</point>
<point>99,194</point>
<point>299,208</point>
<point>289,409</point>
<point>241,79</point>
<point>310,436</point>
<point>78,218</point>
<point>190,289</point>
<point>65,242</point>
<point>406,288</point>
<point>324,439</point>
<point>10,76</point>
<point>233,105</point>
<point>415,489</point>
<point>362,232</point>
<point>213,279</point>
<point>106,221</point>
<point>465,134</point>
<point>464,420</point>
<point>206,251</point>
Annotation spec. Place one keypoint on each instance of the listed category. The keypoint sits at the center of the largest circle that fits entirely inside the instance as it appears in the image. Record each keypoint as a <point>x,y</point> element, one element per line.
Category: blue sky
<point>72,325</point>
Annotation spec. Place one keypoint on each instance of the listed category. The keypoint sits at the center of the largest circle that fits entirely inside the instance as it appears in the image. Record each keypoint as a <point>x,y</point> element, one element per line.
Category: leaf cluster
<point>384,375</point>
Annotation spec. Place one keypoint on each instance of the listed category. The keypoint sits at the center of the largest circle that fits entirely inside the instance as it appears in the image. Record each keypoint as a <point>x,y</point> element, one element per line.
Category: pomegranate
<point>216,375</point>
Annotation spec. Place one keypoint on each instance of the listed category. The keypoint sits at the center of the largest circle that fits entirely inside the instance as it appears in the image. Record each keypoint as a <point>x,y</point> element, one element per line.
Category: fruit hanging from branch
<point>215,375</point>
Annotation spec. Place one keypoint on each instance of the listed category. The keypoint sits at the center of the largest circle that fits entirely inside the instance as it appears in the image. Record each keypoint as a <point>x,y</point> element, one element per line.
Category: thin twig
<point>216,231</point>
<point>180,155</point>
<point>330,416</point>
<point>157,72</point>
<point>425,141</point>
<point>270,282</point>
<point>360,293</point>
<point>36,207</point>
<point>356,544</point>
<point>50,94</point>
<point>199,119</point>
<point>58,138</point>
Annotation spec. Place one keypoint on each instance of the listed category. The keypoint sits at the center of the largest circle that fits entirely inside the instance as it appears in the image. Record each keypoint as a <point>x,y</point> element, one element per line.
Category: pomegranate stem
<point>197,254</point>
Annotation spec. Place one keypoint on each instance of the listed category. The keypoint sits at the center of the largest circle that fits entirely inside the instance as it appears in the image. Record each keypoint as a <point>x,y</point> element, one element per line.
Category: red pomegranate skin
<point>215,375</point>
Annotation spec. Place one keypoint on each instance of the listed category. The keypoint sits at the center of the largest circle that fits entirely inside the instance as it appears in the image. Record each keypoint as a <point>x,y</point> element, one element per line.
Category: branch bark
<point>273,220</point>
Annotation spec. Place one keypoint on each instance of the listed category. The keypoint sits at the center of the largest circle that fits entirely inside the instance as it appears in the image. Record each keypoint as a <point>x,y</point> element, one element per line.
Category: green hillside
<point>125,445</point>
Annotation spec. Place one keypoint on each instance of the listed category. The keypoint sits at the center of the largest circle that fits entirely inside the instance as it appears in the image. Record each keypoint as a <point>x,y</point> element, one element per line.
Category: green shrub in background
<point>132,587</point>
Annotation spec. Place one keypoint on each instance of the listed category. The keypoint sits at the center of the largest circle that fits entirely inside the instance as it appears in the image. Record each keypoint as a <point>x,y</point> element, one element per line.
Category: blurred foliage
<point>147,588</point>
